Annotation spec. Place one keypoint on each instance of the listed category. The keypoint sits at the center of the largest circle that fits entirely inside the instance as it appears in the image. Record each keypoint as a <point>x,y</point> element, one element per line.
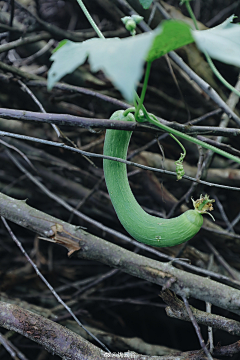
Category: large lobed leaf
<point>122,60</point>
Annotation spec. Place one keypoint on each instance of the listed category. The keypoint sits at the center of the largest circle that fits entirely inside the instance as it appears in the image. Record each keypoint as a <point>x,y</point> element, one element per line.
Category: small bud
<point>125,19</point>
<point>131,22</point>
<point>130,25</point>
<point>137,18</point>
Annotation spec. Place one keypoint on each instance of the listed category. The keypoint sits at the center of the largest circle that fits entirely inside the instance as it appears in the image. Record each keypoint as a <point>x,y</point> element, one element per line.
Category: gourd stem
<point>191,13</point>
<point>144,89</point>
<point>219,76</point>
<point>90,19</point>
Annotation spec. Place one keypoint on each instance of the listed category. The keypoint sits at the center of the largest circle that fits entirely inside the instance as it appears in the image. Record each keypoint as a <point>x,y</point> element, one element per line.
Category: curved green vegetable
<point>141,226</point>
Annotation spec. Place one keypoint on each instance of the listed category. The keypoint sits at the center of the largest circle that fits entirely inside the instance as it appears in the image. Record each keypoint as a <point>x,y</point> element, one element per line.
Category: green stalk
<point>209,60</point>
<point>181,146</point>
<point>219,76</point>
<point>144,89</point>
<point>90,19</point>
<point>191,13</point>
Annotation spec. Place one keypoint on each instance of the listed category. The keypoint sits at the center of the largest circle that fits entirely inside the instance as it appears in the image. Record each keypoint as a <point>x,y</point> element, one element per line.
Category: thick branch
<point>177,309</point>
<point>63,342</point>
<point>54,337</point>
<point>95,248</point>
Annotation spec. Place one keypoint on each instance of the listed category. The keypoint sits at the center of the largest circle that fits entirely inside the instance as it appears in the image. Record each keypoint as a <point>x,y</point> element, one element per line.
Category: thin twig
<point>198,175</point>
<point>88,154</point>
<point>26,88</point>
<point>13,351</point>
<point>83,201</point>
<point>15,239</point>
<point>234,222</point>
<point>205,116</point>
<point>197,328</point>
<point>209,310</point>
<point>31,58</point>
<point>19,152</point>
<point>223,214</point>
<point>219,145</point>
<point>80,90</point>
<point>24,41</point>
<point>210,332</point>
<point>221,259</point>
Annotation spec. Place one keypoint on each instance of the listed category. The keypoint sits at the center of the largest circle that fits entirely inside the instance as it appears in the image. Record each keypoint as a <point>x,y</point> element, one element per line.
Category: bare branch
<point>176,309</point>
<point>91,123</point>
<point>95,248</point>
<point>54,337</point>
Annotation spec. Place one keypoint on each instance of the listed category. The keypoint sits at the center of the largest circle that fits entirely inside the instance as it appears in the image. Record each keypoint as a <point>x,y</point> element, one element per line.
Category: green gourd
<point>141,226</point>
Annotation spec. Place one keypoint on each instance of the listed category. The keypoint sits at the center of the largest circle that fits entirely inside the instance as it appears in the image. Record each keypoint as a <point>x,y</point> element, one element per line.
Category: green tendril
<point>179,163</point>
<point>90,19</point>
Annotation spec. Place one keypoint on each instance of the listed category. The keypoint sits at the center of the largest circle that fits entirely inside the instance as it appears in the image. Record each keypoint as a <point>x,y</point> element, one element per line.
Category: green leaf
<point>174,35</point>
<point>146,3</point>
<point>221,42</point>
<point>122,60</point>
